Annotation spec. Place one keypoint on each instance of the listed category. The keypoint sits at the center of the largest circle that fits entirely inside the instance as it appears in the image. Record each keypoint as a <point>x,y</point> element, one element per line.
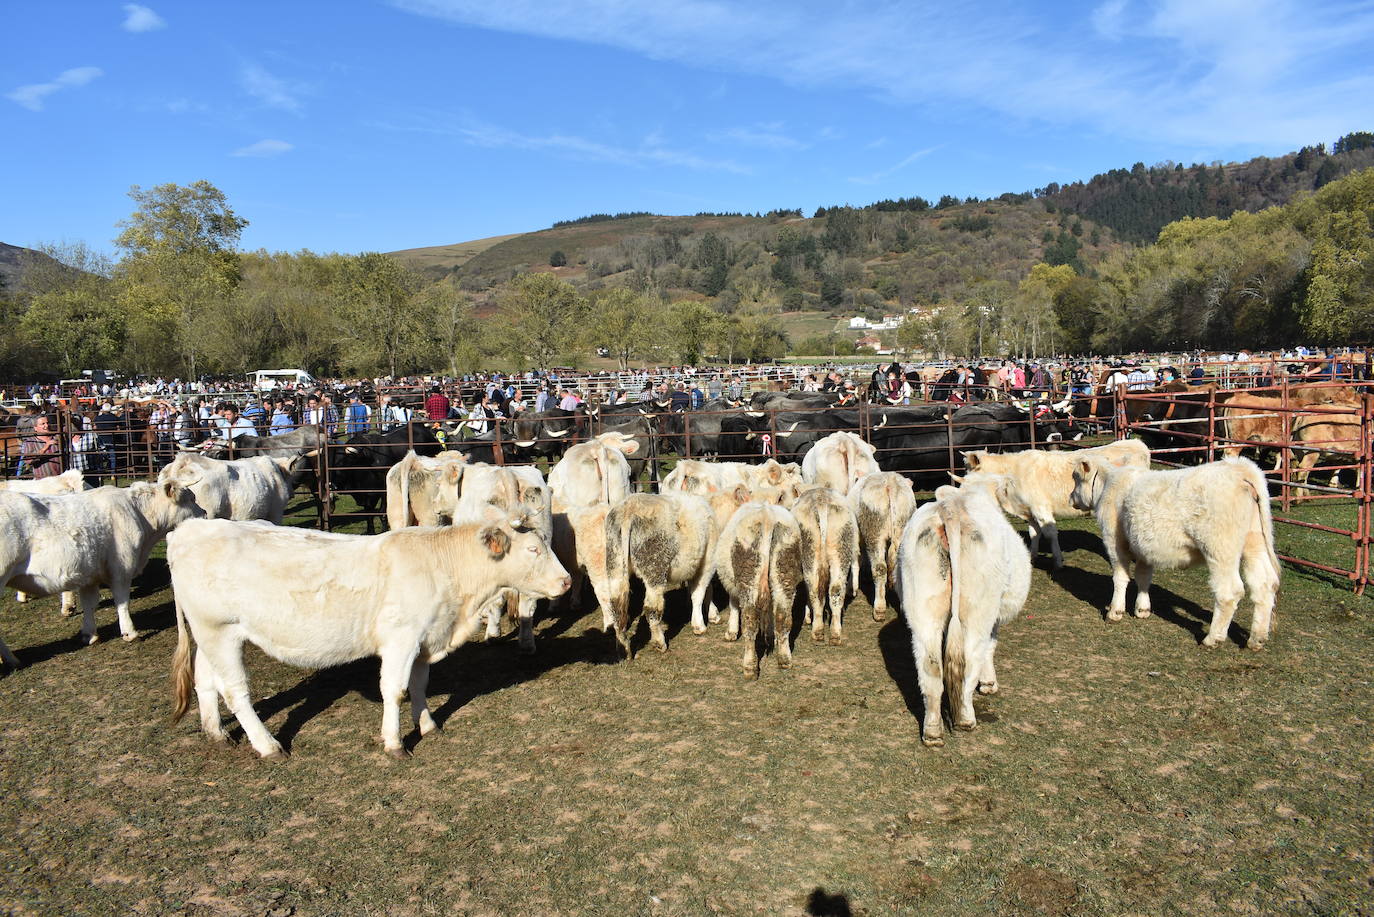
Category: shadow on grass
<point>1095,589</point>
<point>821,903</point>
<point>894,640</point>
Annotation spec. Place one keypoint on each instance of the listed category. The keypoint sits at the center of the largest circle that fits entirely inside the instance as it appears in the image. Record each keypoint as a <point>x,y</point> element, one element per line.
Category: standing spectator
<point>516,403</point>
<point>281,422</point>
<point>736,389</point>
<point>357,415</point>
<point>680,399</point>
<point>1136,380</point>
<point>183,425</point>
<point>714,387</point>
<point>40,451</point>
<point>1197,375</point>
<point>85,447</point>
<point>23,428</point>
<point>482,415</point>
<point>542,399</point>
<point>390,416</point>
<point>437,404</point>
<point>107,431</point>
<point>698,396</point>
<point>255,414</point>
<point>569,401</point>
<point>231,424</point>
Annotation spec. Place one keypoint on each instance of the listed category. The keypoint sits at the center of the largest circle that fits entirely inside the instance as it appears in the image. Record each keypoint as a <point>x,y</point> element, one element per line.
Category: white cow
<point>593,472</point>
<point>1217,513</point>
<point>248,488</point>
<point>68,482</point>
<point>80,542</point>
<point>424,491</point>
<point>318,599</point>
<point>667,541</point>
<point>962,571</point>
<point>694,476</point>
<point>882,503</point>
<point>1041,483</point>
<point>758,560</point>
<point>839,461</point>
<point>830,558</point>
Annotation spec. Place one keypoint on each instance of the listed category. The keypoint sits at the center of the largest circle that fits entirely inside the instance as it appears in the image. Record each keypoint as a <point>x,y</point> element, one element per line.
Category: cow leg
<point>732,620</point>
<point>21,597</point>
<point>815,611</point>
<point>653,611</point>
<point>927,640</point>
<point>492,612</point>
<point>1144,575</point>
<point>90,597</point>
<point>1227,591</point>
<point>119,591</point>
<point>1121,575</point>
<point>750,662</point>
<point>1051,531</point>
<point>976,651</point>
<point>1264,586</point>
<point>837,597</point>
<point>419,703</point>
<point>525,610</point>
<point>208,693</point>
<point>782,630</point>
<point>877,563</point>
<point>987,675</point>
<point>397,665</point>
<point>226,658</point>
<point>69,603</point>
<point>701,594</point>
<point>1033,530</point>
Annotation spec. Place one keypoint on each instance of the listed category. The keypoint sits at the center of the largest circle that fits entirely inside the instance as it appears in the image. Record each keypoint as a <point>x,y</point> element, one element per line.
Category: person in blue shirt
<point>281,419</point>
<point>254,413</point>
<point>357,414</point>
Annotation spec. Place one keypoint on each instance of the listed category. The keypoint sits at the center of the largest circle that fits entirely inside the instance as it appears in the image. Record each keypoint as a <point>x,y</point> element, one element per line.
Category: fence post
<point>1286,451</point>
<point>1212,424</point>
<point>322,483</point>
<point>1362,521</point>
<point>498,453</point>
<point>949,435</point>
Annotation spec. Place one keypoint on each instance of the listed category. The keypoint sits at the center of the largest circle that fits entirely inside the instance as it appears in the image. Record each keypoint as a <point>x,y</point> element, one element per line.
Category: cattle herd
<point>471,543</point>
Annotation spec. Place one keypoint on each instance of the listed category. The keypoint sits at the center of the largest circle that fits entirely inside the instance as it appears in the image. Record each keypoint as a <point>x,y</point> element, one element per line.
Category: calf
<point>838,461</point>
<point>1217,513</point>
<point>68,482</point>
<point>667,541</point>
<point>829,558</point>
<point>882,503</point>
<point>80,542</point>
<point>758,560</point>
<point>249,488</point>
<point>963,572</point>
<point>421,490</point>
<point>320,599</point>
<point>1040,483</point>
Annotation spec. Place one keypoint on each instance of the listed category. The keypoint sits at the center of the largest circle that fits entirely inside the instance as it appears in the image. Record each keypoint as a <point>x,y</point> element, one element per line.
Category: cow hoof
<point>1212,642</point>
<point>1114,615</point>
<point>277,754</point>
<point>965,725</point>
<point>1142,612</point>
<point>818,636</point>
<point>399,753</point>
<point>661,647</point>
<point>933,741</point>
<point>785,663</point>
<point>91,639</point>
<point>129,638</point>
<point>837,639</point>
<point>731,637</point>
<point>714,617</point>
<point>987,687</point>
<point>750,674</point>
<point>698,629</point>
<point>880,615</point>
<point>529,650</point>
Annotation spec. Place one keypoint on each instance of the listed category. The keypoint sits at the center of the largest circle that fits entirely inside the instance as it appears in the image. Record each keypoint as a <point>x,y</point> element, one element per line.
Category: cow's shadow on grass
<point>1095,590</point>
<point>894,640</point>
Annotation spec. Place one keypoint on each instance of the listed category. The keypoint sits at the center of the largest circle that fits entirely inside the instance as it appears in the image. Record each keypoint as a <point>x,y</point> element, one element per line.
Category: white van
<point>264,380</point>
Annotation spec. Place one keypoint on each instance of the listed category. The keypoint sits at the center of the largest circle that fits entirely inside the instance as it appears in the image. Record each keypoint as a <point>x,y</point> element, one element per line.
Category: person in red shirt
<point>437,404</point>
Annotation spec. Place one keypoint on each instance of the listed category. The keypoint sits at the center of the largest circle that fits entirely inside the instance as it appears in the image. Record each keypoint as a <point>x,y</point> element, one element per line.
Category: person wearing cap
<point>107,429</point>
<point>357,414</point>
<point>255,414</point>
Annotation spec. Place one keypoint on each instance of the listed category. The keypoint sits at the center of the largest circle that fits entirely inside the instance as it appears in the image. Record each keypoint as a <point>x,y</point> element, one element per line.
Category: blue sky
<point>373,125</point>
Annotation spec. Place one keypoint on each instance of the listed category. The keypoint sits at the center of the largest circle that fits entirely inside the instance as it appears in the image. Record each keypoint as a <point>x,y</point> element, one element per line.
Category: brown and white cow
<point>80,542</point>
<point>1217,513</point>
<point>319,599</point>
<point>1040,483</point>
<point>882,503</point>
<point>667,541</point>
<point>830,558</point>
<point>962,572</point>
<point>839,461</point>
<point>758,560</point>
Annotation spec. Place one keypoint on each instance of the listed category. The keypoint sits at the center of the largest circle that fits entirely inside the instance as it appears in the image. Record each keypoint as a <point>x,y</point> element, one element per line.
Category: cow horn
<point>1054,437</point>
<point>749,435</point>
<point>185,448</point>
<point>524,443</point>
<point>757,413</point>
<point>312,453</point>
<point>350,450</point>
<point>557,433</point>
<point>883,423</point>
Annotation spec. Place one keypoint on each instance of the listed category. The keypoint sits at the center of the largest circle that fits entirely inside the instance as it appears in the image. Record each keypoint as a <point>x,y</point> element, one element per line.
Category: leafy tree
<point>72,314</point>
<point>380,328</point>
<point>545,317</point>
<point>624,322</point>
<point>691,328</point>
<point>558,259</point>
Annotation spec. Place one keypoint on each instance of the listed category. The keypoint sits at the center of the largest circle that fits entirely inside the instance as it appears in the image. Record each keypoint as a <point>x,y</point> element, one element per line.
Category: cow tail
<point>618,541</point>
<point>763,594</point>
<point>824,532</point>
<point>601,463</point>
<point>955,663</point>
<point>183,680</point>
<point>1260,487</point>
<point>406,514</point>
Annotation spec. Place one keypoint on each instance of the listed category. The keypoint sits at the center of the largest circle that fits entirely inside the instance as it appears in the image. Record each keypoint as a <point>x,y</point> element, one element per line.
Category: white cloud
<point>264,149</point>
<point>653,150</point>
<point>141,19</point>
<point>1212,72</point>
<point>268,89</point>
<point>764,136</point>
<point>892,170</point>
<point>33,95</point>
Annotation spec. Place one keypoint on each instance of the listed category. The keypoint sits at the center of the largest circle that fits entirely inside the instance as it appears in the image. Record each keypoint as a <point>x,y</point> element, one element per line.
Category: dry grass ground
<point>1122,770</point>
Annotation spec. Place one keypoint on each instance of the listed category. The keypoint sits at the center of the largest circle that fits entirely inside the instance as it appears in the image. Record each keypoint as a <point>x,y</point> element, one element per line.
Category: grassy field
<point>1122,770</point>
<point>446,257</point>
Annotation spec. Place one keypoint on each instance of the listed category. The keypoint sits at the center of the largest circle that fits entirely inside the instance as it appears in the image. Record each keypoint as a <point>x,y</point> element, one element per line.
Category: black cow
<point>358,467</point>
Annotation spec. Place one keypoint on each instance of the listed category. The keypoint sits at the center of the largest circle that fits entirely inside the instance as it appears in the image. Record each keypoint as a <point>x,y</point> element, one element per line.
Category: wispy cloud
<point>270,90</point>
<point>652,150</point>
<point>264,149</point>
<point>1194,71</point>
<point>141,19</point>
<point>33,95</point>
<point>763,136</point>
<point>882,174</point>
